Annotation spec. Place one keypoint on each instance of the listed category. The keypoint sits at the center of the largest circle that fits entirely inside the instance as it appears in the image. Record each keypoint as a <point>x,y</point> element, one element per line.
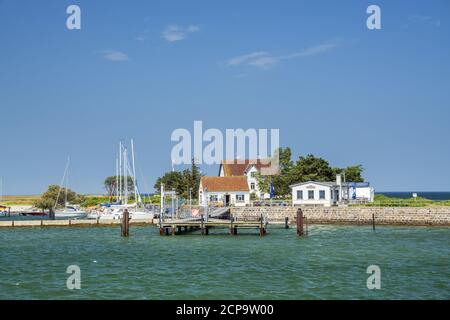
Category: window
<point>311,195</point>
<point>213,198</point>
<point>321,194</point>
<point>240,198</point>
<point>252,186</point>
<point>299,194</point>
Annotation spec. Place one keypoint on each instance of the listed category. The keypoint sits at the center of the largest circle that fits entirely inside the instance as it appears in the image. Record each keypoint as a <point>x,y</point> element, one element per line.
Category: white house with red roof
<point>248,169</point>
<point>224,191</point>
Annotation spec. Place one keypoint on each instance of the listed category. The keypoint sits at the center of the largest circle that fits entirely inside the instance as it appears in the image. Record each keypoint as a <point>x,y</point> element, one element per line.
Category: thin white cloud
<point>113,55</point>
<point>262,59</point>
<point>176,33</point>
<point>424,19</point>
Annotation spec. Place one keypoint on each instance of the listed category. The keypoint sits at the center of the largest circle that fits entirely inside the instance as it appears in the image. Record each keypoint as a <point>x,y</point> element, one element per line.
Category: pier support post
<point>300,231</point>
<point>173,230</point>
<point>286,223</point>
<point>125,223</point>
<point>202,227</point>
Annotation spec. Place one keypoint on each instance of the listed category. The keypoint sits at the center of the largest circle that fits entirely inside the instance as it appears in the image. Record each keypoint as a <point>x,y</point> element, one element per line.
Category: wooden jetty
<point>72,223</point>
<point>220,218</point>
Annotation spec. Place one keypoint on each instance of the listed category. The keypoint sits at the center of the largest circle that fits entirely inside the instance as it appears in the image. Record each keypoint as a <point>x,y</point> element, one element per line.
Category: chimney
<point>339,179</point>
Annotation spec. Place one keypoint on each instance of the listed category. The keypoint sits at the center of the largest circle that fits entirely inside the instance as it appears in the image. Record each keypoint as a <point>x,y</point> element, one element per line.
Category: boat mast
<point>117,180</point>
<point>62,183</point>
<point>1,189</point>
<point>134,174</point>
<point>125,176</point>
<point>67,181</point>
<point>120,172</point>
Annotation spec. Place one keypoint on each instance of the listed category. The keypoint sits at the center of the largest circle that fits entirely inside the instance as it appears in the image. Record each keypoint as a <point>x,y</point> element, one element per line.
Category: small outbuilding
<point>317,193</point>
<point>224,191</point>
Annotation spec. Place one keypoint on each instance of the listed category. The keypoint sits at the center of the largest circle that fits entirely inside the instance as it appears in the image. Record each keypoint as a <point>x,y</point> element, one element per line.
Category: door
<point>227,200</point>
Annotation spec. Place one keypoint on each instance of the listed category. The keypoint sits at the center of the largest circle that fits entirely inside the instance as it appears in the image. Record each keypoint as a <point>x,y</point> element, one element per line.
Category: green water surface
<point>330,263</point>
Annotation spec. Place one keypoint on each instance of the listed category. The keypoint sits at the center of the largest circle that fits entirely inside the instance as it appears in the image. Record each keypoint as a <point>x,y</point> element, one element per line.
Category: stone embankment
<point>426,216</point>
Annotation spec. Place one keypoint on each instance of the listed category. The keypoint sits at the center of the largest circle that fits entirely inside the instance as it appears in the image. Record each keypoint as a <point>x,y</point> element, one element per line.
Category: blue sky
<point>140,69</point>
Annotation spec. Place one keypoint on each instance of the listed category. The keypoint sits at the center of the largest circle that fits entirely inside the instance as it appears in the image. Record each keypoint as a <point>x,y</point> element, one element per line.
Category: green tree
<point>311,168</point>
<point>351,173</point>
<point>56,196</point>
<point>282,179</point>
<point>181,181</point>
<point>172,180</point>
<point>110,185</point>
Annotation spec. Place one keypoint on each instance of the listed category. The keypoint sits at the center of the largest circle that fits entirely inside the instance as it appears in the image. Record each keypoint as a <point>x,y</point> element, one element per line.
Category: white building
<point>224,191</point>
<point>247,168</point>
<point>331,193</point>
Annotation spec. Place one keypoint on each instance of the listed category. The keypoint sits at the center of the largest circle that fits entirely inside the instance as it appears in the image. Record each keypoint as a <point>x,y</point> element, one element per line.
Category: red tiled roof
<point>222,184</point>
<point>239,167</point>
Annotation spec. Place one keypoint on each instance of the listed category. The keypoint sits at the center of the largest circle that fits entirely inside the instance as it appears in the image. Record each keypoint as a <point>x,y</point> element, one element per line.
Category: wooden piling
<point>262,231</point>
<point>202,226</point>
<point>373,221</point>
<point>286,223</point>
<point>300,231</point>
<point>173,230</point>
<point>125,223</point>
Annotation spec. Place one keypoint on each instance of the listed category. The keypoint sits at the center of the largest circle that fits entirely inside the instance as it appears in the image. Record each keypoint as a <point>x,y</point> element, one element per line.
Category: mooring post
<point>261,228</point>
<point>231,225</point>
<point>202,226</point>
<point>9,211</point>
<point>286,223</point>
<point>300,231</point>
<point>373,221</point>
<point>125,223</point>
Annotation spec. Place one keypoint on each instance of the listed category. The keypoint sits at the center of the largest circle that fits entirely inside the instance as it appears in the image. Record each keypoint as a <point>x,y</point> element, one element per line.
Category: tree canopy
<point>56,195</point>
<point>306,168</point>
<point>110,185</point>
<point>181,181</point>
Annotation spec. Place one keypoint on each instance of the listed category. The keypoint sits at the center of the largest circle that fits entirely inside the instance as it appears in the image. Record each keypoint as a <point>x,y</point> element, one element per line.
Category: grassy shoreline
<point>380,201</point>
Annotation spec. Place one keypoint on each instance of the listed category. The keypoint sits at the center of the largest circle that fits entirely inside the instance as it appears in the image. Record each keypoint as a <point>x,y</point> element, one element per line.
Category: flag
<point>354,191</point>
<point>272,190</point>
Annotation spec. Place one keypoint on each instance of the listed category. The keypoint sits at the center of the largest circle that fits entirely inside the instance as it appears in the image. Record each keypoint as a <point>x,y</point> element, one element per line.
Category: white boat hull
<point>71,215</point>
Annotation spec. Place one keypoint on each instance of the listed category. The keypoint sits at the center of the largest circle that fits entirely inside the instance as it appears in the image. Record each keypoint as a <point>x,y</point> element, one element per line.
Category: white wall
<point>316,201</point>
<point>221,197</point>
<point>362,193</point>
<point>251,180</point>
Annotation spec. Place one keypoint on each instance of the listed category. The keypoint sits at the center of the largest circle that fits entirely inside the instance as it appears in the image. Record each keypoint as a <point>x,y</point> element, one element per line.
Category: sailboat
<point>69,211</point>
<point>123,172</point>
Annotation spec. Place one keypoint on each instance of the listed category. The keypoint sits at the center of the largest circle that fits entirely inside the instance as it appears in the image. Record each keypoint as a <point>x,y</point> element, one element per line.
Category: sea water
<point>330,263</point>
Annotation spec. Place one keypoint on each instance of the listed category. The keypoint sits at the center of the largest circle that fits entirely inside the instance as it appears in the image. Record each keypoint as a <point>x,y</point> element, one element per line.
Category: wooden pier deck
<point>183,226</point>
<point>71,223</point>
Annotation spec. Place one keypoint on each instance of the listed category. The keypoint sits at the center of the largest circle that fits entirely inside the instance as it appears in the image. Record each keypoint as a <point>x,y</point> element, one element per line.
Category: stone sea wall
<point>426,216</point>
